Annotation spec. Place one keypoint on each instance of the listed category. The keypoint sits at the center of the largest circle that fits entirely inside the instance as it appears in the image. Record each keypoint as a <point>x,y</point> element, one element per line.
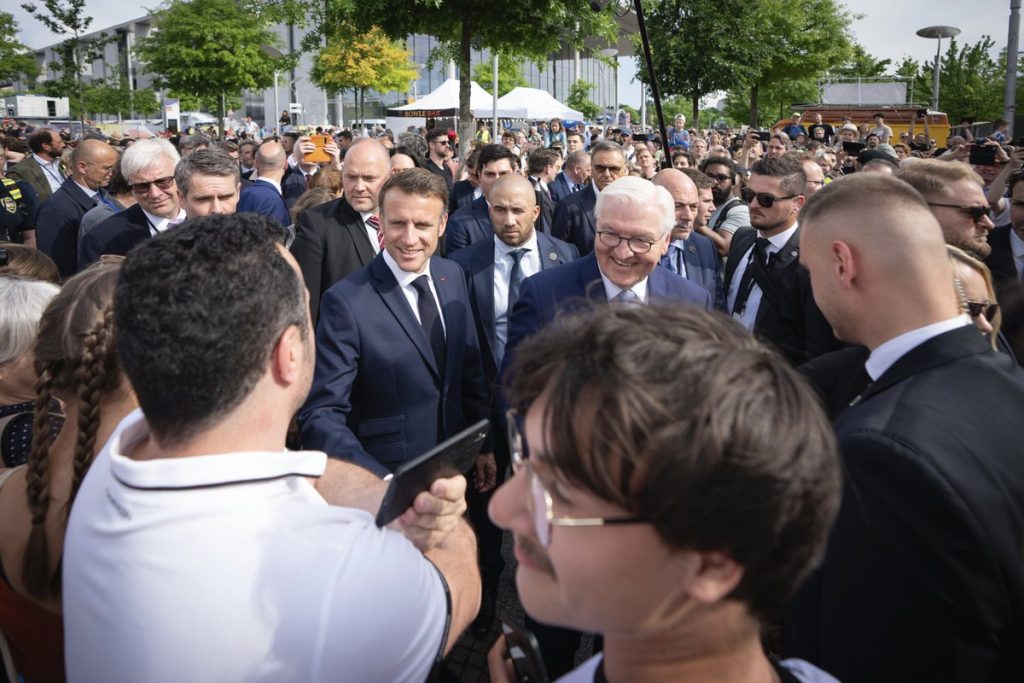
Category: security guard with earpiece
<point>18,209</point>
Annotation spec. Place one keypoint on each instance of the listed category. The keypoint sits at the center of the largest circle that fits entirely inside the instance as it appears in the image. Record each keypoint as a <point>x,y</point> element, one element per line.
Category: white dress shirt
<point>677,255</point>
<point>529,264</point>
<point>91,193</point>
<point>1017,247</point>
<point>159,224</point>
<point>749,316</point>
<point>885,355</point>
<point>371,231</point>
<point>405,280</point>
<point>612,290</point>
<point>51,169</point>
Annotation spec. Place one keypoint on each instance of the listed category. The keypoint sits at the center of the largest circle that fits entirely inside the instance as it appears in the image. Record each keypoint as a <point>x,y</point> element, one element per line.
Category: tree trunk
<point>753,106</point>
<point>466,128</point>
<point>221,106</point>
<point>362,107</point>
<point>696,112</point>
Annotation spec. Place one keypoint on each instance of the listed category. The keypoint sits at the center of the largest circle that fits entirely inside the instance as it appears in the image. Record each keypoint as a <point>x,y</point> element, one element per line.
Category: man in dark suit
<point>398,363</point>
<point>691,254</point>
<point>1007,265</point>
<point>149,167</point>
<point>264,195</point>
<point>495,270</point>
<point>41,169</point>
<point>473,223</point>
<point>439,151</point>
<point>465,191</point>
<point>767,290</point>
<point>336,239</point>
<point>573,178</point>
<point>92,164</point>
<point>543,166</point>
<point>574,216</point>
<point>923,578</point>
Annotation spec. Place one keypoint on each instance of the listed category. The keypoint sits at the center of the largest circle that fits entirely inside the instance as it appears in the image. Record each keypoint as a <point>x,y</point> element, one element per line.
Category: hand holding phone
<point>317,155</point>
<point>982,155</point>
<point>516,657</point>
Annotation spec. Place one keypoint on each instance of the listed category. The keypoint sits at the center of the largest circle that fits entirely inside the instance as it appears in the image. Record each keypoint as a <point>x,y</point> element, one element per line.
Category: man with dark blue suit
<point>691,254</point>
<point>573,178</point>
<point>473,223</point>
<point>574,216</point>
<point>264,195</point>
<point>634,223</point>
<point>398,365</point>
<point>495,270</point>
<point>465,191</point>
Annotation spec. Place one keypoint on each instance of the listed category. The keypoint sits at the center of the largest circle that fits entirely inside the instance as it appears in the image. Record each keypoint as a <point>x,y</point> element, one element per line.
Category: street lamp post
<point>613,53</point>
<point>1013,39</point>
<point>938,32</point>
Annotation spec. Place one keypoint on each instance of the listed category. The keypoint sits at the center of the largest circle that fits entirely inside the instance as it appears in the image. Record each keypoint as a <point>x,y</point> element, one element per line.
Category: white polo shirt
<point>233,568</point>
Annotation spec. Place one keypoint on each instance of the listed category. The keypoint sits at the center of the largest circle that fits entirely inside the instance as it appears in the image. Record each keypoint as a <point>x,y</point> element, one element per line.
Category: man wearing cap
<point>794,127</point>
<point>677,133</point>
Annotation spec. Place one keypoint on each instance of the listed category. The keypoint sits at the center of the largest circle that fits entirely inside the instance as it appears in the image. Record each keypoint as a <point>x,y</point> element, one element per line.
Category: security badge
<point>10,204</point>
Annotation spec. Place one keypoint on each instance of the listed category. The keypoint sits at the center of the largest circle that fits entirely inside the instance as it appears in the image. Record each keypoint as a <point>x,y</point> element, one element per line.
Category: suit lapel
<point>483,291</point>
<point>590,279</point>
<point>740,246</point>
<point>351,220</point>
<point>694,271</point>
<point>446,296</point>
<point>388,289</point>
<point>589,202</point>
<point>483,218</point>
<point>547,252</point>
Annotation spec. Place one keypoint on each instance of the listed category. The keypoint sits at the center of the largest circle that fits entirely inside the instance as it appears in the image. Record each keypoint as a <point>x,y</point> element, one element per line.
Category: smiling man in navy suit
<point>397,360</point>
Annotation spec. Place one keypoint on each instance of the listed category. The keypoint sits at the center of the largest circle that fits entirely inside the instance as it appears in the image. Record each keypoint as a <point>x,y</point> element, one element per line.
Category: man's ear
<point>716,576</point>
<point>286,360</point>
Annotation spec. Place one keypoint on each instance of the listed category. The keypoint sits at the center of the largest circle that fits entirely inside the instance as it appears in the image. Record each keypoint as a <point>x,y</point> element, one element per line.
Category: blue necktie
<point>430,319</point>
<point>515,280</point>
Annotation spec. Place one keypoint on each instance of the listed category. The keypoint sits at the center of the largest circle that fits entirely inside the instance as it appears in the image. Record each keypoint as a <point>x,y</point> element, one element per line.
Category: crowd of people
<point>751,403</point>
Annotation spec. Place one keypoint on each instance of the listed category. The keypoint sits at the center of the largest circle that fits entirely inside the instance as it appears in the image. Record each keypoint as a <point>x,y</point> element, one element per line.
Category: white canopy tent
<point>532,104</point>
<point>442,102</point>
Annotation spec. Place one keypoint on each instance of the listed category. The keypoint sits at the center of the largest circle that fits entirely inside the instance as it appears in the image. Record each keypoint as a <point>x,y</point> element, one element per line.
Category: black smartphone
<point>448,458</point>
<point>853,148</point>
<point>640,137</point>
<point>763,135</point>
<point>922,113</point>
<point>523,650</point>
<point>982,155</point>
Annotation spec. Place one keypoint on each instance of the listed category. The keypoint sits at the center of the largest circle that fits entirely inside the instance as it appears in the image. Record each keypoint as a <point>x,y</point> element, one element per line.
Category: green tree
<point>579,99</point>
<point>531,28</point>
<point>113,96</point>
<point>68,18</point>
<point>363,60</point>
<point>861,64</point>
<point>210,48</point>
<point>971,82</point>
<point>510,74</point>
<point>15,59</point>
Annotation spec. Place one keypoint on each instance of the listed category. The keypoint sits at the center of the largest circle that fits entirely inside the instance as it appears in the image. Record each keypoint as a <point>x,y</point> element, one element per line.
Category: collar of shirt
<point>203,470</point>
<point>477,193</point>
<point>159,223</point>
<point>273,183</point>
<point>777,242</point>
<point>405,278</point>
<point>371,232</point>
<point>885,355</point>
<point>502,250</point>
<point>612,290</point>
<point>88,190</point>
<point>55,164</point>
<point>1016,245</point>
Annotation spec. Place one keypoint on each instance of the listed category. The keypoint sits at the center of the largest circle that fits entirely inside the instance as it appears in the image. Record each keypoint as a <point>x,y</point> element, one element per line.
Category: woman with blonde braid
<point>76,363</point>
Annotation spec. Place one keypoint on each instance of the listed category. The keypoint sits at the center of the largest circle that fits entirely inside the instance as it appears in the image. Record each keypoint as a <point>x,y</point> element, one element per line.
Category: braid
<point>92,376</point>
<point>35,570</point>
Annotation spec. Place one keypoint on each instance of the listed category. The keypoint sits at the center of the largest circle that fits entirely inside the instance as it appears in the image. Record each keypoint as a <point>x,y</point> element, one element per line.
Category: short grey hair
<point>144,155</point>
<point>639,194</point>
<point>22,303</point>
<point>211,162</point>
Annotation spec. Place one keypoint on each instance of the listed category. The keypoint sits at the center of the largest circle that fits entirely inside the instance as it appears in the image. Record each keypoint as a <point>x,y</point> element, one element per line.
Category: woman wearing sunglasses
<point>974,284</point>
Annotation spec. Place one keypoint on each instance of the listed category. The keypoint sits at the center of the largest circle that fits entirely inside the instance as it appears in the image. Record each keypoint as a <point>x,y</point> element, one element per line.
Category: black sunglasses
<point>976,308</point>
<point>143,188</point>
<point>719,177</point>
<point>975,212</point>
<point>763,198</point>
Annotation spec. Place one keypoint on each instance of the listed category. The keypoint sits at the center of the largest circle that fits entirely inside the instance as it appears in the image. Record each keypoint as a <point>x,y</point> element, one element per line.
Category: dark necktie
<point>515,280</point>
<point>374,222</point>
<point>673,260</point>
<point>759,254</point>
<point>430,319</point>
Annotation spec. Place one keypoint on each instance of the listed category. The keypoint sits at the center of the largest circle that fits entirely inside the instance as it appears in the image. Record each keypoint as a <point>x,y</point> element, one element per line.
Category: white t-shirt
<point>232,568</point>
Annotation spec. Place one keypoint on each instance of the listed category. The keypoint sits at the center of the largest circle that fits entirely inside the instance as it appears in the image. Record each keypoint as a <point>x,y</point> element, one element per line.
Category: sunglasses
<point>763,198</point>
<point>975,212</point>
<point>977,308</point>
<point>161,183</point>
<point>719,177</point>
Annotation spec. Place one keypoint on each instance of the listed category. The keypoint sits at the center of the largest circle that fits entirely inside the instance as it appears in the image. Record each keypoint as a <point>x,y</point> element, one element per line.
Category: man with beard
<point>954,193</point>
<point>731,213</point>
<point>769,292</point>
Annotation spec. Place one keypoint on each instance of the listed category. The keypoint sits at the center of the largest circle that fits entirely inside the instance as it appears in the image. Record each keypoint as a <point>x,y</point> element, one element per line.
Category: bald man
<point>923,578</point>
<point>92,164</point>
<point>336,239</point>
<point>264,195</point>
<point>690,254</point>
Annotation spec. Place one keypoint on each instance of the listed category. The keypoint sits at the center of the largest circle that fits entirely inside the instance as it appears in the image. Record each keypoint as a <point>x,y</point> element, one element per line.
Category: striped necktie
<point>374,222</point>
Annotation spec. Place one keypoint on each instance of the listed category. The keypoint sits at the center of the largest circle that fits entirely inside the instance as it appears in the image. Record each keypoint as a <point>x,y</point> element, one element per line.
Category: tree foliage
<point>113,96</point>
<point>579,99</point>
<point>16,61</point>
<point>971,82</point>
<point>210,48</point>
<point>510,74</point>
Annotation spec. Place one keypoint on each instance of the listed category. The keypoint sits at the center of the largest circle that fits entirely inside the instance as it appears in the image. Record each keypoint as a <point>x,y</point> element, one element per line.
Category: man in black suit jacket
<point>1006,261</point>
<point>439,151</point>
<point>767,289</point>
<point>92,164</point>
<point>574,216</point>
<point>336,239</point>
<point>923,578</point>
<point>543,166</point>
<point>574,176</point>
<point>465,191</point>
<point>473,223</point>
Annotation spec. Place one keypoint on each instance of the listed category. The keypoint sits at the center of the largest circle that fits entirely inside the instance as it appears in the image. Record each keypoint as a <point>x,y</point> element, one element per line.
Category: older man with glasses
<point>768,291</point>
<point>148,166</point>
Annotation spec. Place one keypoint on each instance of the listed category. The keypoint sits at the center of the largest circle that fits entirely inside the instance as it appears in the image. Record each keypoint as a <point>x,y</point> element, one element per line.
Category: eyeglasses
<point>601,168</point>
<point>719,177</point>
<point>976,308</point>
<point>763,198</point>
<point>161,183</point>
<point>819,183</point>
<point>975,212</point>
<point>540,505</point>
<point>638,245</point>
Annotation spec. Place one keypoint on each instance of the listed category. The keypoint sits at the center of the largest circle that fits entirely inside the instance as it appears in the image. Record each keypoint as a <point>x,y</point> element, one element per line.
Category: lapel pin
<point>794,253</point>
<point>443,278</point>
<point>553,256</point>
<point>693,249</point>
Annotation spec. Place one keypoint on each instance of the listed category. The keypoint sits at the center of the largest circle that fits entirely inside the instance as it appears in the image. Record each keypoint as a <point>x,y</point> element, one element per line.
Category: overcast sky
<point>887,29</point>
